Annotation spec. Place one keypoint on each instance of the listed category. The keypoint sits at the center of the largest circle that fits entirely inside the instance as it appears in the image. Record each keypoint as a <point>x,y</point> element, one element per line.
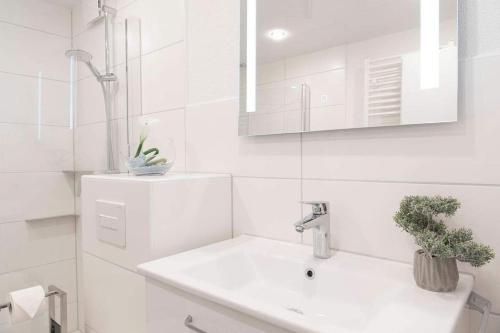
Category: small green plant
<point>420,216</point>
<point>150,155</point>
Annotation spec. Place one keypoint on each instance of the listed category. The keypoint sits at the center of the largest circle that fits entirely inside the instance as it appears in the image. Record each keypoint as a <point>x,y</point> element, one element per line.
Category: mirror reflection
<point>314,65</point>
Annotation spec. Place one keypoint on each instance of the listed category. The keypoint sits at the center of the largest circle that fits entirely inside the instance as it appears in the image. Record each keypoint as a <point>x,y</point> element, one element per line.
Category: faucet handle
<point>318,207</point>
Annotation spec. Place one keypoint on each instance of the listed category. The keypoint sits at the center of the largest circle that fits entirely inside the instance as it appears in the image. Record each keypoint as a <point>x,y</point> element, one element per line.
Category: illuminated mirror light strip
<point>251,55</point>
<point>429,44</point>
<point>39,106</point>
<point>72,91</point>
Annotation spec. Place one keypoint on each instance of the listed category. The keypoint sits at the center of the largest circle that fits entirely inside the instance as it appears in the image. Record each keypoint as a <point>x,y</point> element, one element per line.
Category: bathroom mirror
<point>315,65</point>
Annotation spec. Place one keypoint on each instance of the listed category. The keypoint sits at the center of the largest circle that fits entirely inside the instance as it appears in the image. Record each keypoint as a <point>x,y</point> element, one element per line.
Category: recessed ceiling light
<point>278,34</point>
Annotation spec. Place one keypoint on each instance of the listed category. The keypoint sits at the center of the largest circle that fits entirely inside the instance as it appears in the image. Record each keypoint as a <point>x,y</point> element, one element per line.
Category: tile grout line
<point>371,181</point>
<point>38,266</point>
<point>33,76</point>
<point>34,29</point>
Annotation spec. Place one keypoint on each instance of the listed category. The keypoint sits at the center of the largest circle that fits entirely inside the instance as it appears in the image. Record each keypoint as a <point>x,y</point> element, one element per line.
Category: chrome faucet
<point>319,221</point>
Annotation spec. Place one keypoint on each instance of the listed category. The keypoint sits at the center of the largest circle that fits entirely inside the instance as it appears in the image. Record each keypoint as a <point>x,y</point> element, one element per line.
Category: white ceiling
<point>318,24</point>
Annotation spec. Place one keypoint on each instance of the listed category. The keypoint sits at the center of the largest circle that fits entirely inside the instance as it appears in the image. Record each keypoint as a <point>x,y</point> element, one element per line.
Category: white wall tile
<point>213,145</point>
<point>266,207</point>
<point>211,130</point>
<point>39,324</point>
<point>479,24</point>
<point>89,102</point>
<point>36,14</point>
<point>33,148</point>
<point>21,98</point>
<point>122,310</point>
<point>35,195</point>
<point>92,41</point>
<point>162,22</point>
<point>31,52</point>
<point>91,146</point>
<point>213,49</point>
<point>61,274</point>
<point>462,152</point>
<point>28,244</point>
<point>268,156</point>
<point>361,217</point>
<point>164,79</point>
<point>362,220</point>
<point>90,98</point>
<point>170,126</point>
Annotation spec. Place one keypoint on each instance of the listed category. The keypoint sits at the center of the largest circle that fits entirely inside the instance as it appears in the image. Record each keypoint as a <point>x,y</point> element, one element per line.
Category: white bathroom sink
<point>348,293</point>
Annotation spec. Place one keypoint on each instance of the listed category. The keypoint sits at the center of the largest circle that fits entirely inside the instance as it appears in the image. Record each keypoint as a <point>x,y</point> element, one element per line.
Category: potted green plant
<point>435,263</point>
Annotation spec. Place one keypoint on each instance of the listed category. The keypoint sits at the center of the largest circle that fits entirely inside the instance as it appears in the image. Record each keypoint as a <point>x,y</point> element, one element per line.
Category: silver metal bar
<point>482,305</point>
<point>111,166</point>
<point>189,324</point>
<point>63,304</point>
<point>7,305</point>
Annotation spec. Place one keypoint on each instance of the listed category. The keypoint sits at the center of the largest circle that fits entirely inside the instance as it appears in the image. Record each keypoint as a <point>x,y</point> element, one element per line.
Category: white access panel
<point>111,222</point>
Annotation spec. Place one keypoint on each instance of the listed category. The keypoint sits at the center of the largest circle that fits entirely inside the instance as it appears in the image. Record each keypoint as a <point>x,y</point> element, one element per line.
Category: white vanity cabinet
<point>128,220</point>
<point>167,309</point>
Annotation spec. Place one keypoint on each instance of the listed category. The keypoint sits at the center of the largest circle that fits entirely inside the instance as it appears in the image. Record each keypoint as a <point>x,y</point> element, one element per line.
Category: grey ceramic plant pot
<point>435,274</point>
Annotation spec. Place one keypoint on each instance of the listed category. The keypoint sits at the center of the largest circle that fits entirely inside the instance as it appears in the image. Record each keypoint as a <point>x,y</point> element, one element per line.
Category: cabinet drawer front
<point>168,308</point>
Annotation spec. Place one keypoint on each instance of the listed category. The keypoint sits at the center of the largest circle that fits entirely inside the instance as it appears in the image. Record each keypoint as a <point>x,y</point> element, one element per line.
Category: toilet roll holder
<point>56,326</point>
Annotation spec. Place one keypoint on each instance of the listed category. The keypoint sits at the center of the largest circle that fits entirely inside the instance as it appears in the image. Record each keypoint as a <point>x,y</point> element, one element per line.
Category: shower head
<point>80,55</point>
<point>84,56</point>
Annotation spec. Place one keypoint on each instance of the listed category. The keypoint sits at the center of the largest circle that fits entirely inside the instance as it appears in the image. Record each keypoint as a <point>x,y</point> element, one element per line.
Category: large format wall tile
<point>35,148</point>
<point>36,14</point>
<point>33,53</point>
<point>162,22</point>
<point>266,207</point>
<point>91,145</point>
<point>61,274</point>
<point>213,145</point>
<point>268,156</point>
<point>211,132</point>
<point>35,195</point>
<point>27,244</point>
<point>164,79</point>
<point>479,26</point>
<point>362,220</point>
<point>92,41</point>
<point>213,49</point>
<point>89,102</point>
<point>30,100</point>
<point>40,323</point>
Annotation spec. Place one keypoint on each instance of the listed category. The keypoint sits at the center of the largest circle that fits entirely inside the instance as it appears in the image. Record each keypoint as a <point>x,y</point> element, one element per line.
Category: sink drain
<point>310,273</point>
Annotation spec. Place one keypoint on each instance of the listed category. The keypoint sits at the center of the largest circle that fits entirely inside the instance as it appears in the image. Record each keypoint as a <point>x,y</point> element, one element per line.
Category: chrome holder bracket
<point>56,326</point>
<point>482,305</point>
